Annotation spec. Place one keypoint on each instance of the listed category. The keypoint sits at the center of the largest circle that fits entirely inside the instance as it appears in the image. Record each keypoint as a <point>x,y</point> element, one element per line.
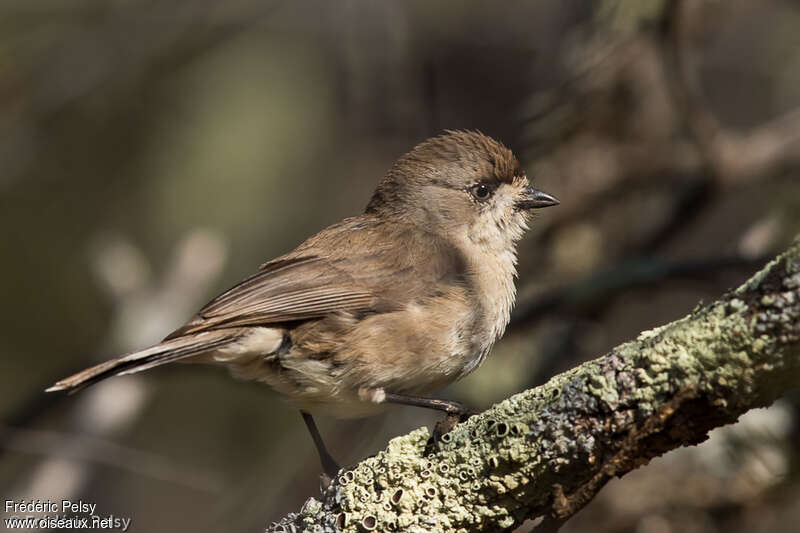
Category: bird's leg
<point>455,409</point>
<point>454,412</point>
<point>329,465</point>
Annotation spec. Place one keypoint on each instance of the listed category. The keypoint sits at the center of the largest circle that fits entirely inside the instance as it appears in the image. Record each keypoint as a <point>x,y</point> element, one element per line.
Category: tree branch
<point>733,156</point>
<point>547,451</point>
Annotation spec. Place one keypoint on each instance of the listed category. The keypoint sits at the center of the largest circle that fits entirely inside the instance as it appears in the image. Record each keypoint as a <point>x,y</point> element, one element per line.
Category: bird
<point>382,308</point>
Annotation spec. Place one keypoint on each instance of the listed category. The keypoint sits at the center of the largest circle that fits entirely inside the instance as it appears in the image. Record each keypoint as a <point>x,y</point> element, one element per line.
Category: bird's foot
<point>446,424</point>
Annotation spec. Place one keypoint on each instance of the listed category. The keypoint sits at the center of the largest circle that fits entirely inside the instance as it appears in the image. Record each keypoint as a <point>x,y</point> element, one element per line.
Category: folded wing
<point>285,290</point>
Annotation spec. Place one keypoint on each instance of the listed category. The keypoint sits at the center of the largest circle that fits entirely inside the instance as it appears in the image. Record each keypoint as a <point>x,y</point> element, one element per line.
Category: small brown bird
<point>385,307</point>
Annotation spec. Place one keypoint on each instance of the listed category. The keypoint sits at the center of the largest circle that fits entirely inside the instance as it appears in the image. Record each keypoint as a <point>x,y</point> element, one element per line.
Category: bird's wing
<point>284,290</point>
<point>360,265</point>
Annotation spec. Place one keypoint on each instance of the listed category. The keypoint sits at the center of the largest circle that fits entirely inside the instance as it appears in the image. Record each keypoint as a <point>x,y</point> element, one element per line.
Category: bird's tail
<point>165,352</point>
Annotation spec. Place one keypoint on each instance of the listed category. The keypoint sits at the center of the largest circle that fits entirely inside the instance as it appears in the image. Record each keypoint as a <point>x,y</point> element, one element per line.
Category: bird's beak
<point>534,199</point>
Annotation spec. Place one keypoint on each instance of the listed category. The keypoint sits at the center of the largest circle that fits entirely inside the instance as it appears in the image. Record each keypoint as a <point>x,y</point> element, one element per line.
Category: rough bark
<point>547,451</point>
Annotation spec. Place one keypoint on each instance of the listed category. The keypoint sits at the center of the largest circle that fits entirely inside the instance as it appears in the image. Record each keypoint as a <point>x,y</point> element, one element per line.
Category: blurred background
<point>154,153</point>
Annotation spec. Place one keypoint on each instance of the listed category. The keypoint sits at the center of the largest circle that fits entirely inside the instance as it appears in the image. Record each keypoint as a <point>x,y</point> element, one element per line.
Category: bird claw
<point>447,423</point>
<point>325,481</point>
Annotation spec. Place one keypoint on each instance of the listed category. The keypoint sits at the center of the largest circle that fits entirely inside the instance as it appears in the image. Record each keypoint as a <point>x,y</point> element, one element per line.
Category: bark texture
<point>548,450</point>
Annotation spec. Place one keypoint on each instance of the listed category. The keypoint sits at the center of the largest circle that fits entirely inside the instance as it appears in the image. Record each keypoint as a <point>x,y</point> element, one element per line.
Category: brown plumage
<point>401,300</point>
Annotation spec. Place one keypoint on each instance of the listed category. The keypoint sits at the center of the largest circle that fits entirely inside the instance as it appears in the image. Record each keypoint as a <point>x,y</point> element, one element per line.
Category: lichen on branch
<point>548,450</point>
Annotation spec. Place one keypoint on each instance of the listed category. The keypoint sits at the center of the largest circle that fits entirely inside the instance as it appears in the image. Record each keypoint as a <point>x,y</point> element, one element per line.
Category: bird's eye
<point>481,191</point>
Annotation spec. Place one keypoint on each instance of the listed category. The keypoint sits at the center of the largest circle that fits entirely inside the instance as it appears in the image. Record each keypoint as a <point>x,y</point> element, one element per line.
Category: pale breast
<point>492,274</point>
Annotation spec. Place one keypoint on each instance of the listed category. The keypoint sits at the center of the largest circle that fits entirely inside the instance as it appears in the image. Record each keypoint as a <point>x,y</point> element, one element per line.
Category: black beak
<point>534,199</point>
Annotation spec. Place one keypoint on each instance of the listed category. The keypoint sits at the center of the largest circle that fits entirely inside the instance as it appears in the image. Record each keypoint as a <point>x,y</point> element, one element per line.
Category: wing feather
<point>286,290</point>
<point>343,268</point>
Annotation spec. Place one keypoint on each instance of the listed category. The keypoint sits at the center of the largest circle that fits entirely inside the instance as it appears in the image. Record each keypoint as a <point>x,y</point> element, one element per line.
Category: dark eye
<point>481,191</point>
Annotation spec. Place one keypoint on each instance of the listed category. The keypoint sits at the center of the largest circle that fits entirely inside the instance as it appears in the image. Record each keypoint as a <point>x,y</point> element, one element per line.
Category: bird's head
<point>461,185</point>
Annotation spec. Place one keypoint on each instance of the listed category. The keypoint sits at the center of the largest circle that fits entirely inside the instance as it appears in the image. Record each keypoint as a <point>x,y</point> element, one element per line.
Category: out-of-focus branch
<point>108,408</point>
<point>100,451</point>
<point>599,288</point>
<point>549,450</point>
<point>733,156</point>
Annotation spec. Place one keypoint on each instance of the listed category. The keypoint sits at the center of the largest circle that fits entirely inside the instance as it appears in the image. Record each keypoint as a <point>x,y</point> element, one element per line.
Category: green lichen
<point>605,388</point>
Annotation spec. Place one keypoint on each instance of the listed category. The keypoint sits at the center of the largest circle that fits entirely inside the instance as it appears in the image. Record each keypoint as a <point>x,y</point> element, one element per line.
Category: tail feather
<point>165,352</point>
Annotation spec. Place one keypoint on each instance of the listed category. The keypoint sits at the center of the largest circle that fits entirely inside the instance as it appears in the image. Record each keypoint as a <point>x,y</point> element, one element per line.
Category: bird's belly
<point>418,350</point>
<point>330,366</point>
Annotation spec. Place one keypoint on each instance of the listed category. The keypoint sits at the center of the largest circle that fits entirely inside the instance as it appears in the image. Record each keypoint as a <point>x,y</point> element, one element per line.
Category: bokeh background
<point>154,153</point>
